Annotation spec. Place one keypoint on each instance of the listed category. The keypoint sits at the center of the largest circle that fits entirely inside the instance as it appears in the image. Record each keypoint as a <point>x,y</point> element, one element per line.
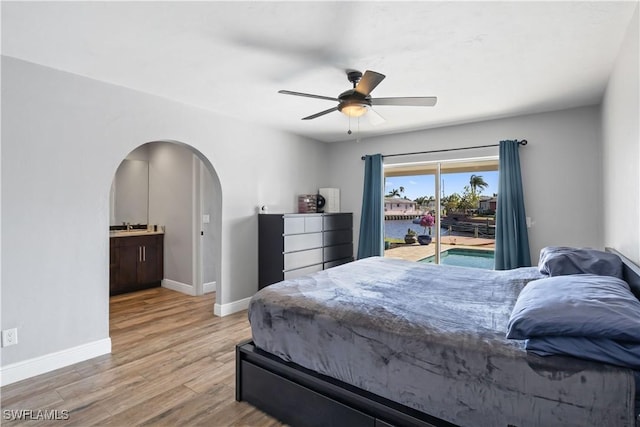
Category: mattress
<point>432,337</point>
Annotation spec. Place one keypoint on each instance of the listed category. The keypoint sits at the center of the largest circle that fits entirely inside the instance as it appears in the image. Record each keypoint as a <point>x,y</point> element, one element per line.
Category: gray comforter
<point>433,338</point>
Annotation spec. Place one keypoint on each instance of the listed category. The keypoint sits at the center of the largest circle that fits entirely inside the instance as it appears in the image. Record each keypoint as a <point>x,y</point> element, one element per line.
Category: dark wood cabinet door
<point>150,268</point>
<point>127,270</point>
<point>128,266</point>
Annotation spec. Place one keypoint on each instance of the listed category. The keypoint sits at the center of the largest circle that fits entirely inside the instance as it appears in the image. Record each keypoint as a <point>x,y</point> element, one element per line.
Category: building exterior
<point>398,206</point>
<point>487,204</point>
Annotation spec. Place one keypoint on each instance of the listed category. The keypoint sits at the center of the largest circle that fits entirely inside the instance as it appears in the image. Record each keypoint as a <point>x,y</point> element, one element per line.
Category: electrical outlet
<point>9,337</point>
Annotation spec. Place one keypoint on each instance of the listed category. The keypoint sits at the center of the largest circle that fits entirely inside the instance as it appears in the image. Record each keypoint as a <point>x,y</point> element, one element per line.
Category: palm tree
<point>451,202</point>
<point>475,182</point>
<point>394,193</point>
<point>420,200</point>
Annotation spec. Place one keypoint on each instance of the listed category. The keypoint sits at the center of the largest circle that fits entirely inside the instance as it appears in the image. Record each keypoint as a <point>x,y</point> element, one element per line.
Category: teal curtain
<point>512,240</point>
<point>371,241</point>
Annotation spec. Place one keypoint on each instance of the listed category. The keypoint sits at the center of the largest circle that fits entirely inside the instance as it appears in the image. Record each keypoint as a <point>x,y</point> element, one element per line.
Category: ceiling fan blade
<point>374,118</point>
<point>368,82</point>
<point>308,95</point>
<point>415,101</point>
<point>321,113</point>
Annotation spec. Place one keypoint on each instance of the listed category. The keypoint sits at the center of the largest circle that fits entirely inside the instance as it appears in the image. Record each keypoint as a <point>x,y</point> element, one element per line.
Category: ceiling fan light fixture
<point>355,102</point>
<point>353,110</point>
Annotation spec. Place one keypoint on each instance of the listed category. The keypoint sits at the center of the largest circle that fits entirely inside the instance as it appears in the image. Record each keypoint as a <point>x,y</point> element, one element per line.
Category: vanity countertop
<point>125,233</point>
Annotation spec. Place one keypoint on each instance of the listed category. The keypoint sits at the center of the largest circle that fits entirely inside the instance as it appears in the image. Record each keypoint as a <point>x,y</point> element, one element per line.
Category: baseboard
<point>230,308</point>
<point>178,287</point>
<point>50,362</point>
<point>209,287</point>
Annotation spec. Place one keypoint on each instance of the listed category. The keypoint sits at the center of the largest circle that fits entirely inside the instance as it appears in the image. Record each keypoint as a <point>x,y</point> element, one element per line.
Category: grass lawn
<point>393,240</point>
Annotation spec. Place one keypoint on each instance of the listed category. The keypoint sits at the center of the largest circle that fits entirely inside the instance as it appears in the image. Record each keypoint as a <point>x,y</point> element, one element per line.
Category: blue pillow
<point>620,353</point>
<point>583,305</point>
<point>562,260</point>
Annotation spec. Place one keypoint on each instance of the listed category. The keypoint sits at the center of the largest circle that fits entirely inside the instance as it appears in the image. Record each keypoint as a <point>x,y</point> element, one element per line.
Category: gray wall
<point>207,189</point>
<point>171,205</point>
<point>621,152</point>
<point>561,169</point>
<point>63,137</point>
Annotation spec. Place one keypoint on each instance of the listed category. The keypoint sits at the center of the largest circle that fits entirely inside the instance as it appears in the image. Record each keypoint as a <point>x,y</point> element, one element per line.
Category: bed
<point>390,342</point>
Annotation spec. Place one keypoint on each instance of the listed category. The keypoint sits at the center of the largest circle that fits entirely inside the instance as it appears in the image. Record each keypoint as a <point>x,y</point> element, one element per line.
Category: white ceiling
<point>481,59</point>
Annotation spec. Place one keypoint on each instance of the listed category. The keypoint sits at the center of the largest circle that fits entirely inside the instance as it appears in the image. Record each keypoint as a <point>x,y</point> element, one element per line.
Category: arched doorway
<point>183,198</point>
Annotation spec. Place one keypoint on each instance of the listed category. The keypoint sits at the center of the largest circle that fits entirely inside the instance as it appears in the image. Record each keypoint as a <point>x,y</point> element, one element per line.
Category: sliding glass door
<point>449,206</point>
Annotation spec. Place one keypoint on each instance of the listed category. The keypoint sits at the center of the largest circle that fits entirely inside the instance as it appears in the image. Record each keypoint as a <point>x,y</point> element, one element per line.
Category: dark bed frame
<point>300,397</point>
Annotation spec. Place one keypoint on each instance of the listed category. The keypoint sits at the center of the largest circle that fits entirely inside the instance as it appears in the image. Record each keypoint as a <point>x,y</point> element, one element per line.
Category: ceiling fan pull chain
<point>349,131</point>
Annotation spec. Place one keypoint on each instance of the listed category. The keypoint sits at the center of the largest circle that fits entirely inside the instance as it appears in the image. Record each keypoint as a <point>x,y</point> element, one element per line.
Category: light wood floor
<point>172,363</point>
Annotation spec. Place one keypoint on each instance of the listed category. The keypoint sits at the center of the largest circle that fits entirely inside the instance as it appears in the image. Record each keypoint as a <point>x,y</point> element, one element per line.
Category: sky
<point>424,185</point>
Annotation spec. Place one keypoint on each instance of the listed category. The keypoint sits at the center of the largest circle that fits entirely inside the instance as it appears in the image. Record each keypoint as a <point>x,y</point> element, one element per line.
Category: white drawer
<point>300,242</point>
<point>312,224</point>
<point>301,259</point>
<point>302,224</point>
<point>294,225</point>
<point>292,274</point>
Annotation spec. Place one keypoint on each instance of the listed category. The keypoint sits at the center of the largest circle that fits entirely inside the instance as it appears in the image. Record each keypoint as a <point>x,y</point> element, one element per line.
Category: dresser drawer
<point>300,242</point>
<point>337,237</point>
<point>338,222</point>
<point>293,260</point>
<point>332,253</point>
<point>302,224</point>
<point>292,274</point>
<point>337,262</point>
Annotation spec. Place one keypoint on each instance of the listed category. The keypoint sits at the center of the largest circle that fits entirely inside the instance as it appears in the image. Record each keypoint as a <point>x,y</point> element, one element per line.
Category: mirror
<point>130,193</point>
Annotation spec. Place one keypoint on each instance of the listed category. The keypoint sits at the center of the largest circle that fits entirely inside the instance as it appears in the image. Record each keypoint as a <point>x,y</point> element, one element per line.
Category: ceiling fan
<point>355,102</point>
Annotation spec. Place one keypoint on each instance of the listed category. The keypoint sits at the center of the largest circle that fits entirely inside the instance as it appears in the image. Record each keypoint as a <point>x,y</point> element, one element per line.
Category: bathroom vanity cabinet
<point>136,261</point>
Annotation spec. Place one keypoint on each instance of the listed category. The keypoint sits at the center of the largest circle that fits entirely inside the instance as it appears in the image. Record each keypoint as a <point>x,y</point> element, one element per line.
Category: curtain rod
<point>523,142</point>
